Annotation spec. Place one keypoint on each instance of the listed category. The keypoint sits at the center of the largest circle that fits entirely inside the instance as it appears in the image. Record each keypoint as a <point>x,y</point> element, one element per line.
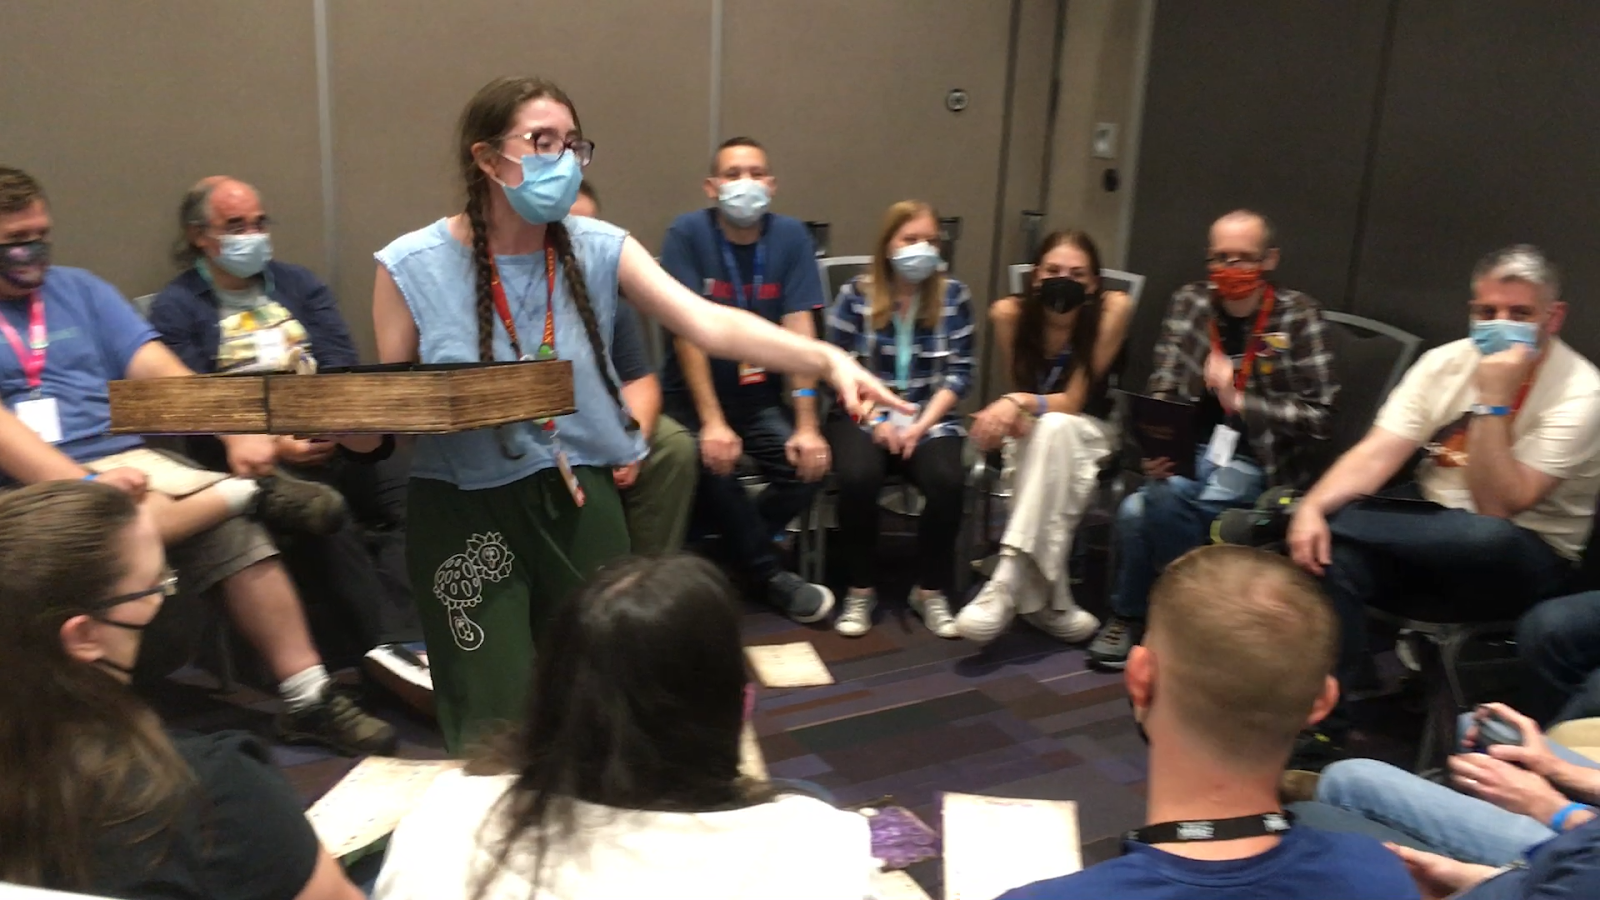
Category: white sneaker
<point>988,614</point>
<point>935,612</point>
<point>856,619</point>
<point>1073,626</point>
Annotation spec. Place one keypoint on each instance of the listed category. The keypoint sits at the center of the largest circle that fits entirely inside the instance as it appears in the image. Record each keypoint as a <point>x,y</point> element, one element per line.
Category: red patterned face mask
<point>1236,282</point>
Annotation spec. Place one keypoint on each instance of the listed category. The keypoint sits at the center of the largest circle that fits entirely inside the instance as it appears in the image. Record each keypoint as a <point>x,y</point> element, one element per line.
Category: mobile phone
<point>1494,730</point>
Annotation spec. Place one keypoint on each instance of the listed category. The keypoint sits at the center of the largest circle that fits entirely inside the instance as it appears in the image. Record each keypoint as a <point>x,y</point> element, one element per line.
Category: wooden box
<point>389,399</point>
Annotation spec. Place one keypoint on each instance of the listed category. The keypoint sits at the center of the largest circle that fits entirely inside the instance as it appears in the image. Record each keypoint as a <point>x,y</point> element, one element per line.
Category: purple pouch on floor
<point>899,838</point>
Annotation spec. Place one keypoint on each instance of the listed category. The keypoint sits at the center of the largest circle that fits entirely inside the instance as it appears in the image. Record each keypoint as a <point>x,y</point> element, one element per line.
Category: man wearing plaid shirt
<point>1251,356</point>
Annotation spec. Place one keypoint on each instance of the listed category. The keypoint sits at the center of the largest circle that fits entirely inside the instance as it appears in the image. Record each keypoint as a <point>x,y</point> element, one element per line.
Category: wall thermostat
<point>956,100</point>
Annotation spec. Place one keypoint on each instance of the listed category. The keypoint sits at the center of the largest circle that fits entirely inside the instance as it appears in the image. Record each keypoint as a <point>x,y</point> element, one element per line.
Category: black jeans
<point>859,465</point>
<point>749,526</point>
<point>1560,640</point>
<point>1383,554</point>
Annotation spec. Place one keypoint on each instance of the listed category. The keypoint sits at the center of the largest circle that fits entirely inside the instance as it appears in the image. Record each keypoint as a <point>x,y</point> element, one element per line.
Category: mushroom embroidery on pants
<point>458,583</point>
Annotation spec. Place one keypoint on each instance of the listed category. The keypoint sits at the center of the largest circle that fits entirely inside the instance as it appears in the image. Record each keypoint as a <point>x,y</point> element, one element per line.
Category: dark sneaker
<point>1115,641</point>
<point>290,504</point>
<point>402,669</point>
<point>799,599</point>
<point>337,722</point>
<point>1314,750</point>
<point>1264,525</point>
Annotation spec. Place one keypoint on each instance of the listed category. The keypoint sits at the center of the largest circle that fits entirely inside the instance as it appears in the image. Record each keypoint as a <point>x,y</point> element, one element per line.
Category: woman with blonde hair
<point>911,325</point>
<point>1058,340</point>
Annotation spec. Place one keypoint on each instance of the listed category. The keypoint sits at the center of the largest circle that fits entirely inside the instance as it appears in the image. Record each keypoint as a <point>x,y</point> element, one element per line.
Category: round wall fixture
<point>956,100</point>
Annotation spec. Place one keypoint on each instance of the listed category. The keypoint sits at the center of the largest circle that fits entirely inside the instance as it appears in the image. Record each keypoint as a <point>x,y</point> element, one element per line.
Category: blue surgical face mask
<point>549,187</point>
<point>245,255</point>
<point>744,202</point>
<point>916,262</point>
<point>1495,335</point>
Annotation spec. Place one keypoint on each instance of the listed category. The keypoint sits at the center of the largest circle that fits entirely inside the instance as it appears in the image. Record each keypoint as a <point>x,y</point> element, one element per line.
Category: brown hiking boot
<point>294,505</point>
<point>337,722</point>
<point>1297,786</point>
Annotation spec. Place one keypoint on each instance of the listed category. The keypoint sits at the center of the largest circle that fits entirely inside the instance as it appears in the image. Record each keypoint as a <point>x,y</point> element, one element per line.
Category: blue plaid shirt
<point>941,356</point>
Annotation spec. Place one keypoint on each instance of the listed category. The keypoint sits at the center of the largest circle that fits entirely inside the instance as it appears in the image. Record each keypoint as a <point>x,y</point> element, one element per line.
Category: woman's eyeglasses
<point>166,588</point>
<point>550,144</point>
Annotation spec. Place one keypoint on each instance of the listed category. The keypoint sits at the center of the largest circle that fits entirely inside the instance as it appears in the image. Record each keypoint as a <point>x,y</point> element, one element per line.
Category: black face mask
<point>21,255</point>
<point>1062,295</point>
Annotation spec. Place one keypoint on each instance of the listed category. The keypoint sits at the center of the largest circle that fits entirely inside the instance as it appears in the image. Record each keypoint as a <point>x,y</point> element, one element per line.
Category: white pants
<point>1057,468</point>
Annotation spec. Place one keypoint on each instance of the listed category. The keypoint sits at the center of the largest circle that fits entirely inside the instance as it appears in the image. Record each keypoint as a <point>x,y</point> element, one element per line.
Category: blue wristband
<point>803,392</point>
<point>1558,822</point>
<point>1483,409</point>
<point>1044,404</point>
<point>91,476</point>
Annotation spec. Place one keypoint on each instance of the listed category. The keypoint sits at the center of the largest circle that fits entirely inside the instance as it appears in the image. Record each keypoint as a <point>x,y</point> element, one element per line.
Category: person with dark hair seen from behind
<point>658,491</point>
<point>1503,503</point>
<point>80,336</point>
<point>624,778</point>
<point>1236,661</point>
<point>94,796</point>
<point>1251,354</point>
<point>906,320</point>
<point>738,254</point>
<point>1057,342</point>
<point>505,522</point>
<point>234,308</point>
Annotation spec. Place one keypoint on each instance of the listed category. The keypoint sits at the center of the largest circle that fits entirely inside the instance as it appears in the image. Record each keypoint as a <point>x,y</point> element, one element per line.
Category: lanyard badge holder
<point>743,299</point>
<point>38,412</point>
<point>548,432</point>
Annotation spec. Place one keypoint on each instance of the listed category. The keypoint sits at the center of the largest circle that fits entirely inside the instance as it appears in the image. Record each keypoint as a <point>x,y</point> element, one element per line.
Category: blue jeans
<point>748,525</point>
<point>1560,640</point>
<point>1438,817</point>
<point>1165,519</point>
<point>1489,568</point>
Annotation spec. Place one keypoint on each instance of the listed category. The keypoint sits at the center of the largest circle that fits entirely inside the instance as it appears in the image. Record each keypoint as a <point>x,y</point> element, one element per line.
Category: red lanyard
<point>547,347</point>
<point>1252,341</point>
<point>31,356</point>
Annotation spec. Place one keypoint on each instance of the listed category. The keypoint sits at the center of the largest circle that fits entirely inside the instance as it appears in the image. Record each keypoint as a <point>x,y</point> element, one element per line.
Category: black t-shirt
<point>1235,333</point>
<point>244,836</point>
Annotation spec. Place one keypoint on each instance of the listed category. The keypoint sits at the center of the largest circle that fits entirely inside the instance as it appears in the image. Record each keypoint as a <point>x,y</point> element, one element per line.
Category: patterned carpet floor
<point>910,716</point>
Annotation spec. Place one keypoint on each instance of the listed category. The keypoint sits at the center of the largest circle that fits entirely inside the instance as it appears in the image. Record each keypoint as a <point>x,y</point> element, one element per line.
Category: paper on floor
<point>788,665</point>
<point>895,886</point>
<point>751,763</point>
<point>370,801</point>
<point>994,844</point>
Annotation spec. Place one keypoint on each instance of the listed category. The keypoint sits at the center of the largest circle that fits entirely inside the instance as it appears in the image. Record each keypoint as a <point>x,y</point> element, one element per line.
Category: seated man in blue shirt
<point>233,308</point>
<point>657,491</point>
<point>739,254</point>
<point>1237,658</point>
<point>80,335</point>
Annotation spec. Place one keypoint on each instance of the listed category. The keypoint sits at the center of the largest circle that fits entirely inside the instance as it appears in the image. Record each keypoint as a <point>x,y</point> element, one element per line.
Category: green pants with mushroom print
<point>487,567</point>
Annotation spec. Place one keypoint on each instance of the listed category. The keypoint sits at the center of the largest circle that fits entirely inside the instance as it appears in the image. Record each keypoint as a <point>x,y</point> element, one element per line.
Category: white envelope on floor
<point>994,844</point>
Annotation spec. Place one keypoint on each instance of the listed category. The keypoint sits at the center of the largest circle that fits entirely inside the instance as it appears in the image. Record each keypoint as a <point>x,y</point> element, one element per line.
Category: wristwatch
<point>1484,409</point>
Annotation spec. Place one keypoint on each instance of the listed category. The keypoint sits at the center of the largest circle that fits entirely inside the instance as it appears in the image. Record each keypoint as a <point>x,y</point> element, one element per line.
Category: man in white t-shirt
<point>1509,422</point>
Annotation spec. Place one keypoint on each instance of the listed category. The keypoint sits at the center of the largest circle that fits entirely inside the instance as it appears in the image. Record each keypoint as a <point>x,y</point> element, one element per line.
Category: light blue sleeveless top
<point>435,275</point>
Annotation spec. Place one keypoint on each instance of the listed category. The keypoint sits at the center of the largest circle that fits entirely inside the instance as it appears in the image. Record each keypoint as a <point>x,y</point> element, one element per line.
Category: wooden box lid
<point>387,399</point>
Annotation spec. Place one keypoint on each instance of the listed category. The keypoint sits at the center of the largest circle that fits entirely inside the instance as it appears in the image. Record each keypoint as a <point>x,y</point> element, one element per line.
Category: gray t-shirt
<point>628,352</point>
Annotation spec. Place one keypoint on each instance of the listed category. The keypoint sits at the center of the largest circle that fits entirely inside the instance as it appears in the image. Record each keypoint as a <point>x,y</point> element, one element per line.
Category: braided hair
<point>485,120</point>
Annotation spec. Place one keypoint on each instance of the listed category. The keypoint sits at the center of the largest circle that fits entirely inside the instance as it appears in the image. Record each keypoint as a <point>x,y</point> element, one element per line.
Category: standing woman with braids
<point>507,521</point>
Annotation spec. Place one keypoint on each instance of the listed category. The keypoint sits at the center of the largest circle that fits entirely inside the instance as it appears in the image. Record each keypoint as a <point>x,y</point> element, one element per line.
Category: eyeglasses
<point>1224,260</point>
<point>259,225</point>
<point>549,144</point>
<point>166,588</point>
